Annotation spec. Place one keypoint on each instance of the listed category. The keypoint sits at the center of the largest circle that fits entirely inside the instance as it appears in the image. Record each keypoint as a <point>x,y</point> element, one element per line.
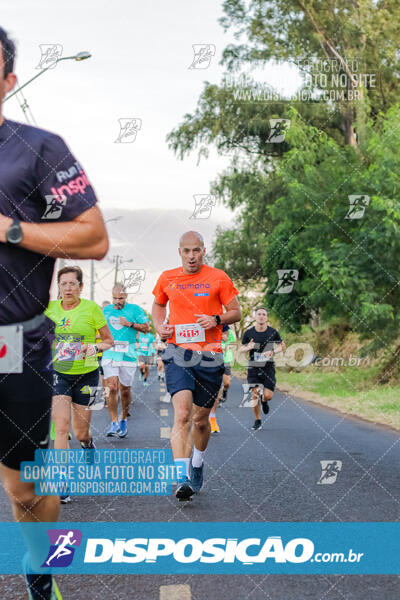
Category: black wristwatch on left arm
<point>14,234</point>
<point>217,319</point>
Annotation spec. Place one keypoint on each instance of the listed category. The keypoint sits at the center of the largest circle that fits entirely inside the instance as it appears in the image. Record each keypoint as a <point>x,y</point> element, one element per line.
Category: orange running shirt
<point>205,292</point>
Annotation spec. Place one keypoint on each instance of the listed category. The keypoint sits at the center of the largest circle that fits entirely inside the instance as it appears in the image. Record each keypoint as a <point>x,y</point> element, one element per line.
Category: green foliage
<point>292,199</point>
<point>348,267</point>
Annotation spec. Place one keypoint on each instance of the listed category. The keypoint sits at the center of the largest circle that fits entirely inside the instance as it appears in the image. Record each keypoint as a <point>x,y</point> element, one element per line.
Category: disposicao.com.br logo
<point>247,551</point>
<point>100,547</point>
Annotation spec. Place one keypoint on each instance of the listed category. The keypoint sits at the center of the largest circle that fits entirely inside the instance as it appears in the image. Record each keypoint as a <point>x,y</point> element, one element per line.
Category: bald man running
<point>193,358</point>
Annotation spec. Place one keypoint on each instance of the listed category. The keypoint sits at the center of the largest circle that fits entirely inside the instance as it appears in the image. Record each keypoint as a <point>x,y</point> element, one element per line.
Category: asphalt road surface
<point>267,475</point>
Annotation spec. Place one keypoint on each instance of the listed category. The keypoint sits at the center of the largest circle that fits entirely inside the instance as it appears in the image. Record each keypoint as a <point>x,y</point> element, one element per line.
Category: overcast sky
<point>141,53</point>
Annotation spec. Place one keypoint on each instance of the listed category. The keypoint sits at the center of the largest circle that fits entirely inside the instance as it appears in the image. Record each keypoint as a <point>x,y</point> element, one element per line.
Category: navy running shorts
<point>75,386</point>
<point>264,376</point>
<point>199,372</point>
<point>25,411</point>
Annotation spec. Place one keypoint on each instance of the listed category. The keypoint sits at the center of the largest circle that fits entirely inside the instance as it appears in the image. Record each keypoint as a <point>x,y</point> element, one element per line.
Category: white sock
<point>183,466</point>
<point>198,457</point>
<point>213,414</point>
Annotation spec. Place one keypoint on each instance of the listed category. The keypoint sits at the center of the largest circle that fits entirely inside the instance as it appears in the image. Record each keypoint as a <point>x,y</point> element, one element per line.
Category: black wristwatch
<point>14,233</point>
<point>217,319</point>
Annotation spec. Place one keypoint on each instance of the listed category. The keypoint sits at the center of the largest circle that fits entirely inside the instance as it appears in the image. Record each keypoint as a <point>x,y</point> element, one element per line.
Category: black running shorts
<point>77,387</point>
<point>25,410</point>
<point>264,376</point>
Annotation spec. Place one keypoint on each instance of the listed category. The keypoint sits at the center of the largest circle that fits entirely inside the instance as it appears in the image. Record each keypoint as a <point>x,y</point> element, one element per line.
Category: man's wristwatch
<point>132,325</point>
<point>217,319</point>
<point>14,233</point>
<point>95,348</point>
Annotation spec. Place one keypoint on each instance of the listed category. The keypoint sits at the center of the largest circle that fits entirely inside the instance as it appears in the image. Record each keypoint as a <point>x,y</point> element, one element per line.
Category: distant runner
<point>119,362</point>
<point>228,337</point>
<point>160,347</point>
<point>100,354</point>
<point>260,341</point>
<point>193,360</point>
<point>146,351</point>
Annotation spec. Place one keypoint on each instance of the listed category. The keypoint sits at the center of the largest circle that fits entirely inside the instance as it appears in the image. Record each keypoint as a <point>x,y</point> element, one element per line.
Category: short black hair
<point>8,48</point>
<point>261,308</point>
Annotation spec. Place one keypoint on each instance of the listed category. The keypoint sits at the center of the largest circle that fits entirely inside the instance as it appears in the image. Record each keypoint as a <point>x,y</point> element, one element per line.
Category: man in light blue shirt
<point>119,362</point>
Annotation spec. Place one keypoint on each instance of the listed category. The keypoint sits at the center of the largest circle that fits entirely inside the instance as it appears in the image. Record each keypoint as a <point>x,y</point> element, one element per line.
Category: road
<point>268,475</point>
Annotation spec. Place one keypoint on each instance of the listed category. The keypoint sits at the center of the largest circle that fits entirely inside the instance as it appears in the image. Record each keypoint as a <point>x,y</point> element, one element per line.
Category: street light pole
<point>80,56</point>
<point>25,107</point>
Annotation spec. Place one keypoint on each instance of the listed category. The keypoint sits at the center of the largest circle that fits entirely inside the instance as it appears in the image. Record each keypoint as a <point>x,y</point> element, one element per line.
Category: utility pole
<point>117,257</point>
<point>92,282</point>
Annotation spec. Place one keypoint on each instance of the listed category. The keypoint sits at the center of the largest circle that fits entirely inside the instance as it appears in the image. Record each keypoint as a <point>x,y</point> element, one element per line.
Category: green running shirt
<point>73,329</point>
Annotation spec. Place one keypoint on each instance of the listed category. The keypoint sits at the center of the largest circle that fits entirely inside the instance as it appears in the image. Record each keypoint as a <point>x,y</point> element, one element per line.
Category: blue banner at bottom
<point>200,548</point>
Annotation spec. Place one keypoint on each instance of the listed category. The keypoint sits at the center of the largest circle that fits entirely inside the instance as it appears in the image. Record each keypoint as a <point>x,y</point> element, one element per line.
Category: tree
<point>357,39</point>
<point>292,198</point>
<point>348,267</point>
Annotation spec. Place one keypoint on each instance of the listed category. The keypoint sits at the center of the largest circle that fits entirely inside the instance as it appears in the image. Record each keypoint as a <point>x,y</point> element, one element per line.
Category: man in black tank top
<point>262,342</point>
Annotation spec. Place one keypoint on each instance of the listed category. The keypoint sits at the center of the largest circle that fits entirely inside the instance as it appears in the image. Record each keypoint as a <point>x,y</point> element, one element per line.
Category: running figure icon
<point>62,549</point>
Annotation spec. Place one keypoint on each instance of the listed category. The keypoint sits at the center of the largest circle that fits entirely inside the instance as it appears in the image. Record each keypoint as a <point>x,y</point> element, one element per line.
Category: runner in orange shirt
<point>193,360</point>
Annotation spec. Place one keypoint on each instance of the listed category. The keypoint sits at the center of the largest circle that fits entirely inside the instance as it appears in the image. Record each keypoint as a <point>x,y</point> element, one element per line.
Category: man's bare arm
<point>158,313</point>
<point>233,313</point>
<point>280,347</point>
<point>84,237</point>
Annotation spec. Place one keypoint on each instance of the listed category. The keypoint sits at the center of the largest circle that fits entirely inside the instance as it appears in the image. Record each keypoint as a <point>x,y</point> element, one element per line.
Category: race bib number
<point>121,347</point>
<point>11,348</point>
<point>69,348</point>
<point>190,332</point>
<point>260,357</point>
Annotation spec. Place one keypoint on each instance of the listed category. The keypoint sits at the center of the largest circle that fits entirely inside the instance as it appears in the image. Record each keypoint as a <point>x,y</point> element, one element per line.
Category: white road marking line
<point>163,412</point>
<point>175,592</point>
<point>165,432</point>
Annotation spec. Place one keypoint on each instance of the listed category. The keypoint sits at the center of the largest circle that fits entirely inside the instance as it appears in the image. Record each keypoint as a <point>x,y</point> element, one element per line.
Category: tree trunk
<point>349,136</point>
<point>349,117</point>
